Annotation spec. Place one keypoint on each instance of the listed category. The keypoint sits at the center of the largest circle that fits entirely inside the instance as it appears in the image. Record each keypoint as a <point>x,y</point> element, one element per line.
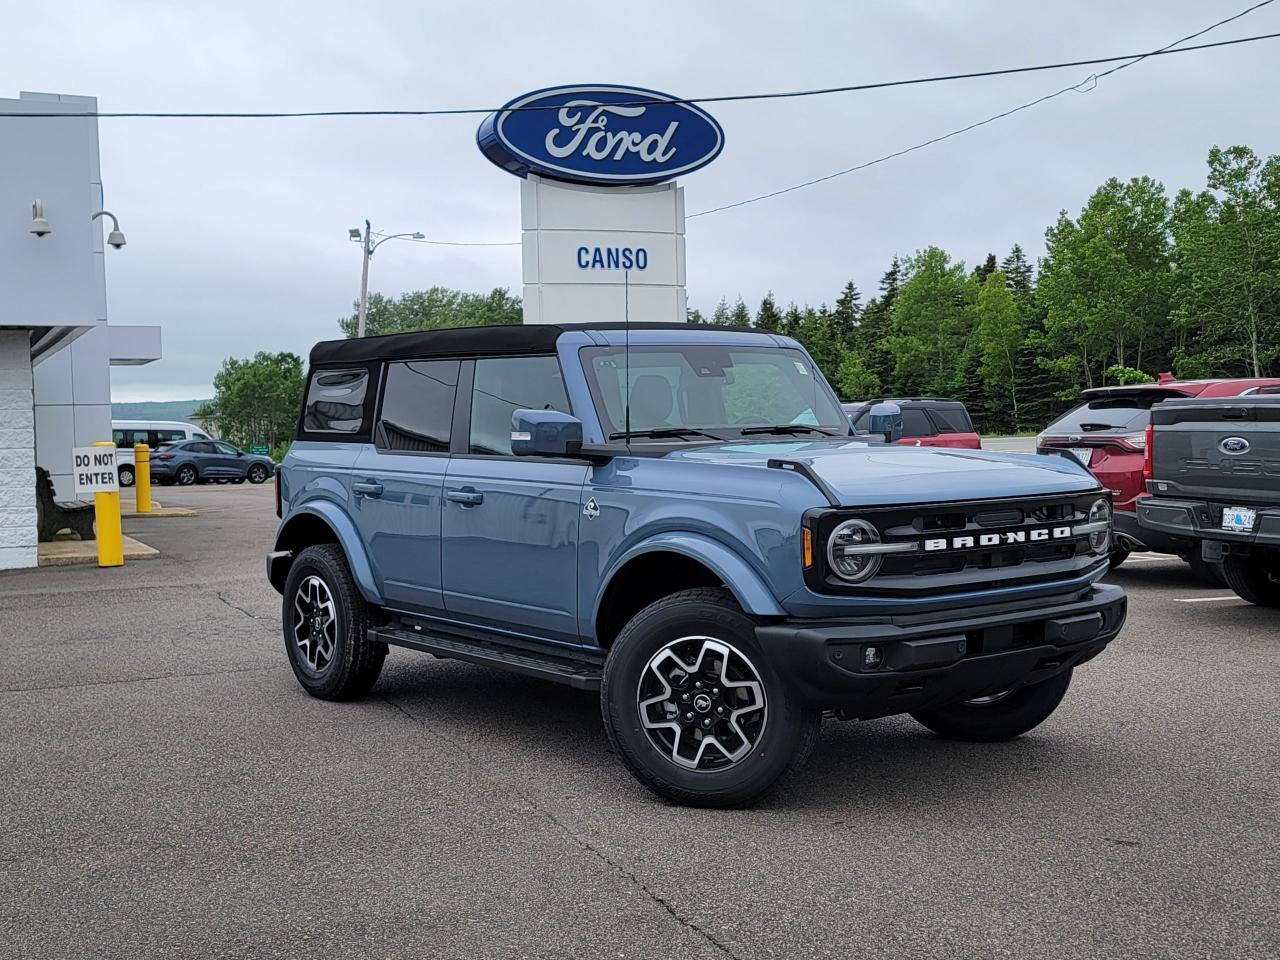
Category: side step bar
<point>581,671</point>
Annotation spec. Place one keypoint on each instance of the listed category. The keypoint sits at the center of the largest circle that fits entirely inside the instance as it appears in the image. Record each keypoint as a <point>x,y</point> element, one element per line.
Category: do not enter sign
<point>95,469</point>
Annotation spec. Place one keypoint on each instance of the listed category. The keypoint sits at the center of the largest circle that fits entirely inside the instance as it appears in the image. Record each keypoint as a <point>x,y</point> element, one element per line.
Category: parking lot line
<point>1205,599</point>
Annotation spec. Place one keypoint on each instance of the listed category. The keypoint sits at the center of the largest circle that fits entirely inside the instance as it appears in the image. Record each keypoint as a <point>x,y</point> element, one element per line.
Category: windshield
<point>698,391</point>
<point>1127,414</point>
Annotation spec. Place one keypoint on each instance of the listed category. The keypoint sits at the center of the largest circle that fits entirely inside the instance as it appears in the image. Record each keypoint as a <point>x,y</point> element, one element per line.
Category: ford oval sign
<point>600,134</point>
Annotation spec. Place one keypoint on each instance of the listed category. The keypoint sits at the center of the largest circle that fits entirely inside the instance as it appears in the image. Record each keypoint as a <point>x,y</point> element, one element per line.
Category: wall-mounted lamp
<point>39,225</point>
<point>115,238</point>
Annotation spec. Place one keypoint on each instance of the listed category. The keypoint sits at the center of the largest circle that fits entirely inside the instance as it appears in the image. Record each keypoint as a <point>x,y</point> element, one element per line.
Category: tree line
<point>1134,285</point>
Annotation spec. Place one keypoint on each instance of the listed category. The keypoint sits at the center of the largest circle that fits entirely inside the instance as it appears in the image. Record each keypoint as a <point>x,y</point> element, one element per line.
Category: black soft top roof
<point>475,341</point>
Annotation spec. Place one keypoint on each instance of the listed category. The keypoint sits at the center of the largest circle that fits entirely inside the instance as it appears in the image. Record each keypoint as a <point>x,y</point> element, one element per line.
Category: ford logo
<point>1234,445</point>
<point>600,134</point>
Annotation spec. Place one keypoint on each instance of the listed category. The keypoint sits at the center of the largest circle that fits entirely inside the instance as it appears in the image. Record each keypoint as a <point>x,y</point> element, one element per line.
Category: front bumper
<point>1202,520</point>
<point>931,659</point>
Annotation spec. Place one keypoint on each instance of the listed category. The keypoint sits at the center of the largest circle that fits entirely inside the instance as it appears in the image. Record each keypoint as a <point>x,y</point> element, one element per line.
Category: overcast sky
<point>238,228</point>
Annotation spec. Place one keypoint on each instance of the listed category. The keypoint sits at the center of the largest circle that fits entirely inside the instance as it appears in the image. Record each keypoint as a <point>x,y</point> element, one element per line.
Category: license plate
<point>1083,454</point>
<point>1239,519</point>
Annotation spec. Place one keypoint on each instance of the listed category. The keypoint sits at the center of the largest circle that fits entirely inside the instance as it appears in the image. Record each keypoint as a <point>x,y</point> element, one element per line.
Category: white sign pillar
<point>589,250</point>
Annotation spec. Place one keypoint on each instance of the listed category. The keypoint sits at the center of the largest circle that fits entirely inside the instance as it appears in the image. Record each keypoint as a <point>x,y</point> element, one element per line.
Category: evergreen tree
<point>768,317</point>
<point>740,316</point>
<point>848,312</point>
<point>988,267</point>
<point>720,316</point>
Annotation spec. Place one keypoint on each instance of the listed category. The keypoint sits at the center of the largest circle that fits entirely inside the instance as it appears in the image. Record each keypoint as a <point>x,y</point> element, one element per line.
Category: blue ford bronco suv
<point>682,518</point>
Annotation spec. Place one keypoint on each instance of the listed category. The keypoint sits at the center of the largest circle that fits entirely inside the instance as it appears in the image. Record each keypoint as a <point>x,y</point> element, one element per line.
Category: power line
<point>1132,58</point>
<point>1091,80</point>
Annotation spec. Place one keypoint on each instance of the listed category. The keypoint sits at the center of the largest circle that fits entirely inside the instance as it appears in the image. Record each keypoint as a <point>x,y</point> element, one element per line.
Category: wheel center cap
<point>702,703</point>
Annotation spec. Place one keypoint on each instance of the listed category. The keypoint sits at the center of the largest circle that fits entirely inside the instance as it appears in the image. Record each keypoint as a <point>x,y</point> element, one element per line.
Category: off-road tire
<point>1118,556</point>
<point>1004,719</point>
<point>356,661</point>
<point>126,475</point>
<point>790,729</point>
<point>1248,576</point>
<point>1209,574</point>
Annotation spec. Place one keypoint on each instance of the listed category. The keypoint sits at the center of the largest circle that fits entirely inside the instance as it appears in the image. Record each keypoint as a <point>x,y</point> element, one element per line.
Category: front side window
<point>417,406</point>
<point>722,391</point>
<point>335,401</point>
<point>504,385</point>
<point>225,449</point>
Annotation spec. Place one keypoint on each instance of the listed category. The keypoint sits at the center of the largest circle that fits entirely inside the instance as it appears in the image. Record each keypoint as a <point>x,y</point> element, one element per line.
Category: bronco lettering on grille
<point>1038,535</point>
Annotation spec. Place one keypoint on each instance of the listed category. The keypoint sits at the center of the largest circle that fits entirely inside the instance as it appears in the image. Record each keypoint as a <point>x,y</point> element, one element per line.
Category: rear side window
<point>915,423</point>
<point>504,385</point>
<point>199,447</point>
<point>417,406</point>
<point>336,403</point>
<point>951,418</point>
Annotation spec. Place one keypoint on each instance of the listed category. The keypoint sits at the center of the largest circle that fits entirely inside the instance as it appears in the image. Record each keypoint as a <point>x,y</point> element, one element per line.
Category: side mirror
<point>886,418</point>
<point>545,433</point>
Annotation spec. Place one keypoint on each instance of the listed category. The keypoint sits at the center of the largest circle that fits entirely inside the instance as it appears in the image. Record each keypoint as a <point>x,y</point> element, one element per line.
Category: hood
<point>860,474</point>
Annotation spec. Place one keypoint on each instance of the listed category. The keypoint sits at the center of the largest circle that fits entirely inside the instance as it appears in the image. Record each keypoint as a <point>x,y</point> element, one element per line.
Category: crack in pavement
<point>123,680</point>
<point>581,842</point>
<point>235,606</point>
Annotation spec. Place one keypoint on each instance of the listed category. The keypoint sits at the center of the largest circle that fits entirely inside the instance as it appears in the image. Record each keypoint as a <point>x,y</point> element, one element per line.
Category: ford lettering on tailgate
<point>600,134</point>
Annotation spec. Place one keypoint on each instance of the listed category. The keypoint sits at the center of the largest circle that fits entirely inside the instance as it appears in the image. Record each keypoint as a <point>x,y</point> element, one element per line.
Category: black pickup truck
<point>1213,476</point>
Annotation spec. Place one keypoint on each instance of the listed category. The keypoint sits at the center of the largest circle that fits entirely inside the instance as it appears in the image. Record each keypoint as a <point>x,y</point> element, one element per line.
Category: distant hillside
<point>155,410</point>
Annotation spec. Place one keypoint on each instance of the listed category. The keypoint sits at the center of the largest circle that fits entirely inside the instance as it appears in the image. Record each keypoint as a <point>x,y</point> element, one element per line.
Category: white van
<point>153,433</point>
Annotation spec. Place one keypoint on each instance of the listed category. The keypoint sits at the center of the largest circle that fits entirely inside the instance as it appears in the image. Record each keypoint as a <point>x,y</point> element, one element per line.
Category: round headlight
<point>847,551</point>
<point>1100,512</point>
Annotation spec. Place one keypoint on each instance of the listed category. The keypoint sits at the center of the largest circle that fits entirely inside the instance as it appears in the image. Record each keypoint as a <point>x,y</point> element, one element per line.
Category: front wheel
<point>693,707</point>
<point>258,473</point>
<point>326,624</point>
<point>1118,556</point>
<point>1000,716</point>
<point>1254,577</point>
<point>126,475</point>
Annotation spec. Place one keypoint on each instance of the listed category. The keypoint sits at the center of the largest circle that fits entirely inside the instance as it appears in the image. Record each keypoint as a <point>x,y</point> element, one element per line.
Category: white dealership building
<point>56,347</point>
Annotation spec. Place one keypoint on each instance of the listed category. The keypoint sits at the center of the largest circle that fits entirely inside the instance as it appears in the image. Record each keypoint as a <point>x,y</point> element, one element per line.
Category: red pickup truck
<point>926,422</point>
<point>1108,434</point>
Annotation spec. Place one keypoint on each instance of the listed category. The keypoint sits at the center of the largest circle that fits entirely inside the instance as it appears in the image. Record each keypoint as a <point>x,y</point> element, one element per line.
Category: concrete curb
<point>63,553</point>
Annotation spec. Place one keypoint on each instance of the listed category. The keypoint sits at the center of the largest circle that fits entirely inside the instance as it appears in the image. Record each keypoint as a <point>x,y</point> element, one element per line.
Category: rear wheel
<point>693,707</point>
<point>326,622</point>
<point>1000,716</point>
<point>1210,574</point>
<point>126,475</point>
<point>1254,576</point>
<point>186,475</point>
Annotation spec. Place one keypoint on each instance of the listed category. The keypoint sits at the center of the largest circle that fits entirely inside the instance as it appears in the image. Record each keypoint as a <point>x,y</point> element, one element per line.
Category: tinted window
<point>118,437</point>
<point>506,384</point>
<point>200,446</point>
<point>335,401</point>
<point>1108,415</point>
<point>225,448</point>
<point>915,423</point>
<point>951,418</point>
<point>417,405</point>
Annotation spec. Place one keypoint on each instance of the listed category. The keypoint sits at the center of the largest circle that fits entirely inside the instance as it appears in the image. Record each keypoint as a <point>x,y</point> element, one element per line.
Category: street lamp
<point>368,245</point>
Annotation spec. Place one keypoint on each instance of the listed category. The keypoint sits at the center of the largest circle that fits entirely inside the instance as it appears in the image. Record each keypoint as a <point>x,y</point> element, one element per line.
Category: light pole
<point>368,245</point>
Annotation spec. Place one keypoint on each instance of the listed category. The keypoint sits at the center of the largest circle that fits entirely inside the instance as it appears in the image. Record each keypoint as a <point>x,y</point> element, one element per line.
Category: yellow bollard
<point>106,514</point>
<point>142,476</point>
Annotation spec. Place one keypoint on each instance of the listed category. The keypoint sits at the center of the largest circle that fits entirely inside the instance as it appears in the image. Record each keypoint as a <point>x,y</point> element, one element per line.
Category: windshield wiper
<point>661,432</point>
<point>1093,427</point>
<point>791,428</point>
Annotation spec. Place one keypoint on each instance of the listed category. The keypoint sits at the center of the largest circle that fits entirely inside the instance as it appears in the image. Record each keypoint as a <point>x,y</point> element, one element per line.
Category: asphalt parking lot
<point>169,790</point>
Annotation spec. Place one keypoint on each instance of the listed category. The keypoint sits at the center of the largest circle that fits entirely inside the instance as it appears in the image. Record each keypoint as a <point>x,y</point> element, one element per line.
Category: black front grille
<point>973,545</point>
